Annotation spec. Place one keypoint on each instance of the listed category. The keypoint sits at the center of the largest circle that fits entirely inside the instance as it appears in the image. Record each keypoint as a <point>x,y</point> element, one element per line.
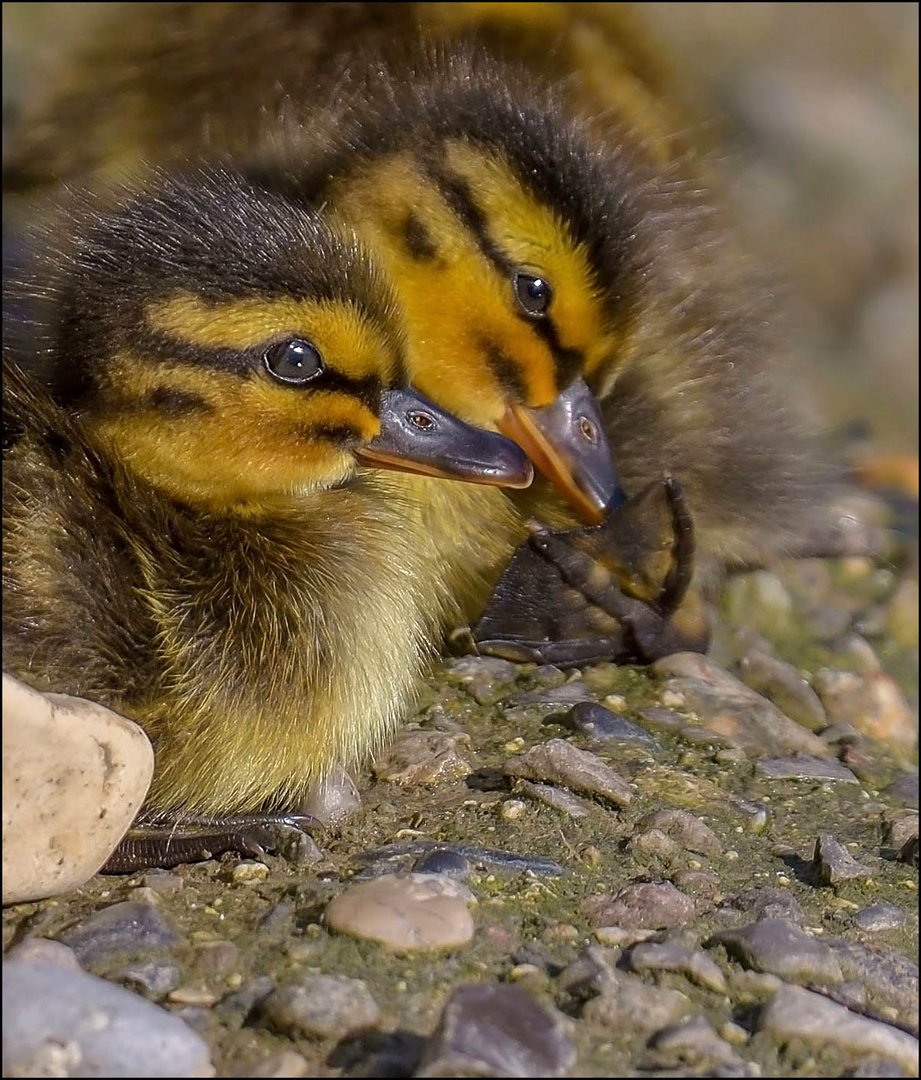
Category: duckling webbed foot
<point>617,591</point>
<point>163,841</point>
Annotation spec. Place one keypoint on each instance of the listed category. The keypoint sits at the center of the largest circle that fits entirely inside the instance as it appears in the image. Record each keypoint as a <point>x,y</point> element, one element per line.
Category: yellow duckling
<point>186,538</point>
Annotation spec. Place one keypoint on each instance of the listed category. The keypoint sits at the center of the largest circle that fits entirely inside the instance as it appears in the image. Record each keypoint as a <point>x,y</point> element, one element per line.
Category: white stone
<point>74,777</point>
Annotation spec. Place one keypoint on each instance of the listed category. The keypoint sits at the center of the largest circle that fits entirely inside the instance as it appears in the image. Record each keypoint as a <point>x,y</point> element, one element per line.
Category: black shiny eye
<point>533,293</point>
<point>294,362</point>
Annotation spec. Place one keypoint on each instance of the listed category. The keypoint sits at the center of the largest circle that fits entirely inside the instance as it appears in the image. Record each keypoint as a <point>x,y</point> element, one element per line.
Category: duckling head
<point>232,348</point>
<point>514,241</point>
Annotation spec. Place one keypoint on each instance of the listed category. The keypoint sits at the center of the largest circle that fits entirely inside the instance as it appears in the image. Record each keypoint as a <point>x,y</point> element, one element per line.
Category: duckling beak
<point>566,441</point>
<point>418,437</point>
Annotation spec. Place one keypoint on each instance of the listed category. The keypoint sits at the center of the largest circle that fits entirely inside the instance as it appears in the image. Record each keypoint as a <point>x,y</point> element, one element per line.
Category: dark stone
<point>804,767</point>
<point>778,947</point>
<point>497,1030</point>
<point>905,790</point>
<point>879,917</point>
<point>646,905</point>
<point>770,903</point>
<point>444,861</point>
<point>401,856</point>
<point>599,723</point>
<point>833,863</point>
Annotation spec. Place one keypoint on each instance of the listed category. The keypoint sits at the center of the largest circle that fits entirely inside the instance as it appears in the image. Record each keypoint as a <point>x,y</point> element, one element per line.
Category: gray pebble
<point>833,863</point>
<point>644,906</point>
<point>685,829</point>
<point>599,723</point>
<point>905,790</point>
<point>215,959</point>
<point>322,1007</point>
<point>334,800</point>
<point>152,979</point>
<point>900,826</point>
<point>44,951</point>
<point>879,917</point>
<point>794,1013</point>
<point>778,947</point>
<point>284,1063</point>
<point>444,861</point>
<point>805,767</point>
<point>497,670</point>
<point>161,881</point>
<point>394,857</point>
<point>569,694</point>
<point>626,1003</point>
<point>908,853</point>
<point>730,709</point>
<point>783,684</point>
<point>69,1023</point>
<point>890,977</point>
<point>559,762</point>
<point>697,1043</point>
<point>127,928</point>
<point>497,1030</point>
<point>670,956</point>
<point>770,903</point>
<point>244,999</point>
<point>559,798</point>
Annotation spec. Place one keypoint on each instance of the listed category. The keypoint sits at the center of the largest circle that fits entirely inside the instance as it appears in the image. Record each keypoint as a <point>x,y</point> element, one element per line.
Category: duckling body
<point>462,170</point>
<point>186,538</point>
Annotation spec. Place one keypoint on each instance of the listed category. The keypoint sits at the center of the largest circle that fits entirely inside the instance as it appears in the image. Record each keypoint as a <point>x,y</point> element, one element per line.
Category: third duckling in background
<point>533,241</point>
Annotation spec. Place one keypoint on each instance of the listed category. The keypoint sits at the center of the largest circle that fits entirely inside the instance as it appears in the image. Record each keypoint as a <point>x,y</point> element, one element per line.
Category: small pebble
<point>770,903</point>
<point>670,956</point>
<point>626,1003</point>
<point>785,686</point>
<point>900,826</point>
<point>879,917</point>
<point>497,1030</point>
<point>778,947</point>
<point>58,1022</point>
<point>620,937</point>
<point>126,928</point>
<point>249,872</point>
<point>645,906</point>
<point>334,800</point>
<point>284,1063</point>
<point>512,809</point>
<point>833,863</point>
<point>804,767</point>
<point>449,863</point>
<point>905,790</point>
<point>559,798</point>
<point>44,951</point>
<point>696,1042</point>
<point>405,913</point>
<point>561,763</point>
<point>795,1013</point>
<point>322,1007</point>
<point>686,829</point>
<point>599,723</point>
<point>417,758</point>
<point>152,979</point>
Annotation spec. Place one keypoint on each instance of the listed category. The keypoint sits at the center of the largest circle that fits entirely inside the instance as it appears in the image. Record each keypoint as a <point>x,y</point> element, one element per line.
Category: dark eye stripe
<point>246,364</point>
<point>456,193</point>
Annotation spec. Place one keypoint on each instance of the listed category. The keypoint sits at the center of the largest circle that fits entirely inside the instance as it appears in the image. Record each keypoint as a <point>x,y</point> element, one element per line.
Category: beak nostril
<point>422,421</point>
<point>588,430</point>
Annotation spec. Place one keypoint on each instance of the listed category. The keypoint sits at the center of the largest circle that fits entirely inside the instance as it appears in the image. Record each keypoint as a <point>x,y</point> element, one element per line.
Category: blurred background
<point>815,108</point>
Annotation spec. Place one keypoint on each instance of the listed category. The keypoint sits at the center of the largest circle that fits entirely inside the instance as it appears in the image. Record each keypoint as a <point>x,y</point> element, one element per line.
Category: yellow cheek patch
<point>531,235</point>
<point>251,440</point>
<point>347,341</point>
<point>457,304</point>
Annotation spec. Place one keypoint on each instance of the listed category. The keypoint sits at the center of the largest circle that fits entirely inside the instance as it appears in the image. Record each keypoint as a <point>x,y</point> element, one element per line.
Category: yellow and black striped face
<point>227,345</point>
<point>503,305</point>
<point>240,400</point>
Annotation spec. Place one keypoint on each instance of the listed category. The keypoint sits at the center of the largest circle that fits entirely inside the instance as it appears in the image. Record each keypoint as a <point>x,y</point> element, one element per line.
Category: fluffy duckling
<point>542,251</point>
<point>185,535</point>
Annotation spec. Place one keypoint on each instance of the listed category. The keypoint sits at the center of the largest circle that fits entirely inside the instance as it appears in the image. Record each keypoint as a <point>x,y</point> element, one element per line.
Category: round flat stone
<point>74,777</point>
<point>405,912</point>
<point>645,906</point>
<point>322,1006</point>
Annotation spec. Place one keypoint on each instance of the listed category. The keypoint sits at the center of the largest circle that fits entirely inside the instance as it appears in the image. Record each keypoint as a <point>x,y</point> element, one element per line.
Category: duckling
<point>563,265</point>
<point>186,536</point>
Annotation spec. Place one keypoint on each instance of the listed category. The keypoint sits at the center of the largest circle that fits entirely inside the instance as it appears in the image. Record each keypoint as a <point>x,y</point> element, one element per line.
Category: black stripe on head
<point>568,362</point>
<point>508,374</point>
<point>457,194</point>
<point>417,240</point>
<point>174,403</point>
<point>161,347</point>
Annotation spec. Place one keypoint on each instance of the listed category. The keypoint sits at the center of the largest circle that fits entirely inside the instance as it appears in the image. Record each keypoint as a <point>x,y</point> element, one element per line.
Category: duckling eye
<point>294,361</point>
<point>587,429</point>
<point>533,293</point>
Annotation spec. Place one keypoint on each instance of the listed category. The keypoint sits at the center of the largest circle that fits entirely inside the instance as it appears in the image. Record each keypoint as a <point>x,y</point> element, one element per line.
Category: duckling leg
<point>618,591</point>
<point>164,841</point>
